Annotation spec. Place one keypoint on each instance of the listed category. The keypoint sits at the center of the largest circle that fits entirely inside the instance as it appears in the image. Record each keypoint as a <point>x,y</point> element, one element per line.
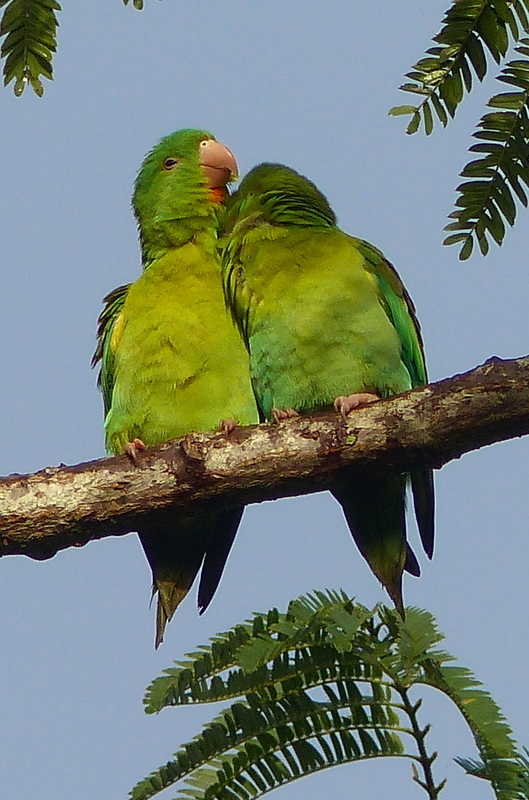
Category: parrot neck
<point>175,234</point>
<point>218,195</point>
<point>173,225</point>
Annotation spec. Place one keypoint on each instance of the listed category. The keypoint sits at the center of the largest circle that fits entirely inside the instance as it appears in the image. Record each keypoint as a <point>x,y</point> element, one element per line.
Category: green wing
<point>400,310</point>
<point>105,349</point>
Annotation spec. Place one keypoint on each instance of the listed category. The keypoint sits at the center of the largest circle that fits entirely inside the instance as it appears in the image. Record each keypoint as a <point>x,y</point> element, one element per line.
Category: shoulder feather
<point>109,329</point>
<point>400,309</point>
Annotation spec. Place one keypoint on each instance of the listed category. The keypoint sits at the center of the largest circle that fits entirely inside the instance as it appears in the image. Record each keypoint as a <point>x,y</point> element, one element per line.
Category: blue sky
<point>308,84</point>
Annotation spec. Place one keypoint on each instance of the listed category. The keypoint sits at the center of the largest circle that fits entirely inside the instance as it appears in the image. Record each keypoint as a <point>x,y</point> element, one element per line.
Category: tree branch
<point>63,506</point>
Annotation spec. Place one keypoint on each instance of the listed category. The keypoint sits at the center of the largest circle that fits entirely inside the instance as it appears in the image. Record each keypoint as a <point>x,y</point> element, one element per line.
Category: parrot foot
<point>227,426</point>
<point>133,448</point>
<point>346,403</point>
<point>279,414</point>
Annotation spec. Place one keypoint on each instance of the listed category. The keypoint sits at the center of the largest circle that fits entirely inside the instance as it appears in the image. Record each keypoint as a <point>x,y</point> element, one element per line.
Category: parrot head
<point>279,195</point>
<point>181,182</point>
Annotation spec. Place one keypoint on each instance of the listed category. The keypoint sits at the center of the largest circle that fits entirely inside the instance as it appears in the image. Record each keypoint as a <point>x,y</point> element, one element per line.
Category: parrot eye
<point>170,163</point>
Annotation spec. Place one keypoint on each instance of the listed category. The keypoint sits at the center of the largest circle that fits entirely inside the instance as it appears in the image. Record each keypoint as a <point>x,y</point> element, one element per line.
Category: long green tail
<point>375,510</point>
<point>424,503</point>
<point>226,524</point>
<point>177,550</point>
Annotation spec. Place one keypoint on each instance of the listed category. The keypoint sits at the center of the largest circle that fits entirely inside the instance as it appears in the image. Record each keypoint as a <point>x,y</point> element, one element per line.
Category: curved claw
<point>227,426</point>
<point>346,403</point>
<point>132,449</point>
<point>279,414</point>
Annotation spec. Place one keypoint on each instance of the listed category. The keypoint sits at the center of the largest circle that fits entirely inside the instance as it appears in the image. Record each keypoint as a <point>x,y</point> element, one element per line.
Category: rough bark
<point>63,506</point>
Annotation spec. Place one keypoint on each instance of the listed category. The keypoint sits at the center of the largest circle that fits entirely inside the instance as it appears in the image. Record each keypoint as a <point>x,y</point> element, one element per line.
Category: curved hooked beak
<point>218,163</point>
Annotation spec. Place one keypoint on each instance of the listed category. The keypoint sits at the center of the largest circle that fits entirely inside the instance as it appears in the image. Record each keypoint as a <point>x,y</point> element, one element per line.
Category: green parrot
<point>327,322</point>
<point>172,360</point>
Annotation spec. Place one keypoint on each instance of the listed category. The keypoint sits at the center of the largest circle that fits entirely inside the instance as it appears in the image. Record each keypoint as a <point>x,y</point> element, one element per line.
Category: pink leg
<point>279,414</point>
<point>227,426</point>
<point>346,403</point>
<point>132,449</point>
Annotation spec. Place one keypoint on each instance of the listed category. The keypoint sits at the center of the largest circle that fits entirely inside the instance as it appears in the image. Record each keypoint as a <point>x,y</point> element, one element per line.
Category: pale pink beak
<point>218,163</point>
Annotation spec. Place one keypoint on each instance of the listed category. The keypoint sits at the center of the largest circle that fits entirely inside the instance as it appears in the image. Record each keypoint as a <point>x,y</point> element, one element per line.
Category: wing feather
<point>109,328</point>
<point>400,310</point>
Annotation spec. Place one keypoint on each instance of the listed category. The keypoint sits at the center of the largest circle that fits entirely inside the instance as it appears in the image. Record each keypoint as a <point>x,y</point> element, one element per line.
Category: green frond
<point>262,743</point>
<point>509,778</point>
<point>492,734</point>
<point>138,4</point>
<point>414,639</point>
<point>473,32</point>
<point>324,683</point>
<point>491,731</point>
<point>272,647</point>
<point>197,679</point>
<point>29,30</point>
<point>498,178</point>
<point>523,774</point>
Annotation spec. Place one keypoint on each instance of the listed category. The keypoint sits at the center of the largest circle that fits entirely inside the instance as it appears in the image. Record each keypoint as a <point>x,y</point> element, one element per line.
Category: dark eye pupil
<point>169,163</point>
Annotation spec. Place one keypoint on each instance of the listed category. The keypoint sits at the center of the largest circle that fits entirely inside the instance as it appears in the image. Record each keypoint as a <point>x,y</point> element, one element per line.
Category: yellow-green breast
<point>180,364</point>
<point>317,327</point>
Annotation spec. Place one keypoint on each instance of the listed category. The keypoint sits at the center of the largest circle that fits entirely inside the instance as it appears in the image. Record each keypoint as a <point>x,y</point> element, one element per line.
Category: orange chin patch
<point>218,194</point>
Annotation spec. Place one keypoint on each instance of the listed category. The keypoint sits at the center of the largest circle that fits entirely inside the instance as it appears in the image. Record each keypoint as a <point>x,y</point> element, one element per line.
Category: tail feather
<point>177,550</point>
<point>424,503</point>
<point>412,565</point>
<point>222,537</point>
<point>374,507</point>
<point>170,595</point>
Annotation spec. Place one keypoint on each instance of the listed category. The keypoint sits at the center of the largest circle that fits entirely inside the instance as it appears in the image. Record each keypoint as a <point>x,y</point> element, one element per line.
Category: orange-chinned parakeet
<point>327,322</point>
<point>172,360</point>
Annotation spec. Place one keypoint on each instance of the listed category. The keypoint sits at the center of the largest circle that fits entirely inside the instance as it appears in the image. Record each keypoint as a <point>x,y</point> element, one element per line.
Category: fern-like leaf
<point>263,743</point>
<point>510,778</point>
<point>497,180</point>
<point>324,683</point>
<point>29,30</point>
<point>523,774</point>
<point>473,32</point>
<point>138,4</point>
